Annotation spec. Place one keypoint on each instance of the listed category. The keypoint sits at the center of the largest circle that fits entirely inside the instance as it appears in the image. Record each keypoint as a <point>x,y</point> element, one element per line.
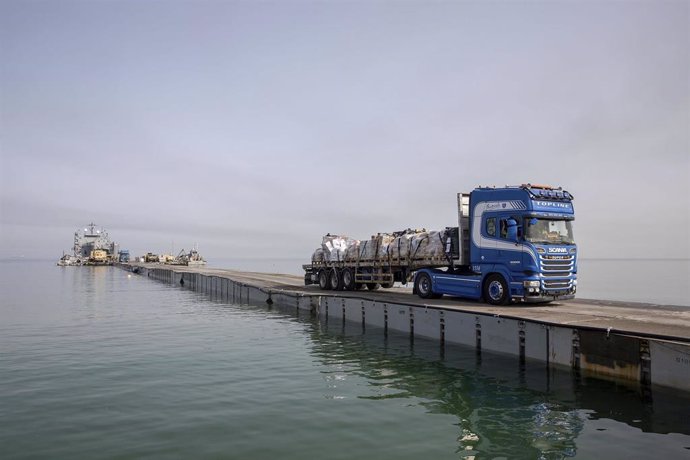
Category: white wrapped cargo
<point>318,256</point>
<point>375,248</point>
<point>334,247</point>
<point>384,240</point>
<point>427,245</point>
<point>399,248</point>
<point>416,244</point>
<point>352,251</point>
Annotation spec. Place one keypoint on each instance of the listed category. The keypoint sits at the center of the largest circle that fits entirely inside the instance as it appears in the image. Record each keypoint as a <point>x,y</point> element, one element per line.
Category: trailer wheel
<point>323,279</point>
<point>422,286</point>
<point>496,290</point>
<point>373,286</point>
<point>348,279</point>
<point>335,282</point>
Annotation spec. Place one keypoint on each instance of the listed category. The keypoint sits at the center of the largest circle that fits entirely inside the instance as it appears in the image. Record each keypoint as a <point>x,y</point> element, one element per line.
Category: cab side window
<point>491,226</point>
<point>504,228</point>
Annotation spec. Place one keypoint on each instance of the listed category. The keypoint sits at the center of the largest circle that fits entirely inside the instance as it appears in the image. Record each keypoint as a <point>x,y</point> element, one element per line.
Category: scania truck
<point>512,244</point>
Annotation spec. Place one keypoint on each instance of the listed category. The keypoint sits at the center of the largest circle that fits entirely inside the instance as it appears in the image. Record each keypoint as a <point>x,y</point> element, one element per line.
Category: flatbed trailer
<point>369,273</point>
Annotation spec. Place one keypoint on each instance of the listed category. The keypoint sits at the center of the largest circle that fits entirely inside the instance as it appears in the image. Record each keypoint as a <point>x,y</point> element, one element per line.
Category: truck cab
<point>516,244</point>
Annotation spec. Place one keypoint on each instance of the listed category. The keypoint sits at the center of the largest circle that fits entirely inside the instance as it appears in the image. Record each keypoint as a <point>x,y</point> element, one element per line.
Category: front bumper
<point>546,290</point>
<point>546,297</point>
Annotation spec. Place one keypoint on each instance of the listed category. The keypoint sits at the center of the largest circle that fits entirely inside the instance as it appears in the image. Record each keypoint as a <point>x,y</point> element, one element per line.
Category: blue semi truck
<point>513,243</point>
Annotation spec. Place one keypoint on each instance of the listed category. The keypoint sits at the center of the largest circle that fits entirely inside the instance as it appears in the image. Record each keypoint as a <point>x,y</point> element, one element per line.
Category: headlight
<point>528,284</point>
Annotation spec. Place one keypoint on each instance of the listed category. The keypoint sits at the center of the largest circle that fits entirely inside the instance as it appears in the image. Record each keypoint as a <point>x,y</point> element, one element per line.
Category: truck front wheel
<point>496,290</point>
<point>423,286</point>
<point>323,279</point>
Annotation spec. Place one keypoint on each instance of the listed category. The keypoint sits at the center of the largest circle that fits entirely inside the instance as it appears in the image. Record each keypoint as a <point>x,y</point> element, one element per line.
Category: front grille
<point>557,284</point>
<point>557,271</point>
<point>557,263</point>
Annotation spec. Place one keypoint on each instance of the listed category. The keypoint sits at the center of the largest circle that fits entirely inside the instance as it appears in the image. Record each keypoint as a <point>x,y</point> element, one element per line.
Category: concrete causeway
<point>644,343</point>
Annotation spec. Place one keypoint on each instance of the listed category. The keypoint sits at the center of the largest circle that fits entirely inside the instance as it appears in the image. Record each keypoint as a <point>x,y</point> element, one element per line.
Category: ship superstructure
<point>92,246</point>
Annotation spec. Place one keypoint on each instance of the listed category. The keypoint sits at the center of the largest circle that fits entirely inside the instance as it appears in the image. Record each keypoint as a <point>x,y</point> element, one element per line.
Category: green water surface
<point>98,363</point>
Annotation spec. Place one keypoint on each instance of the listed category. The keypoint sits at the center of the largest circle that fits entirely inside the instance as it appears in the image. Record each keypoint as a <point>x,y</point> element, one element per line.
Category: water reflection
<point>504,409</point>
<point>94,283</point>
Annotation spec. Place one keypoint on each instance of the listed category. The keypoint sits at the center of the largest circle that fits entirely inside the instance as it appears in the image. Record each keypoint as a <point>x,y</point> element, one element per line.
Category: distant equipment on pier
<point>192,258</point>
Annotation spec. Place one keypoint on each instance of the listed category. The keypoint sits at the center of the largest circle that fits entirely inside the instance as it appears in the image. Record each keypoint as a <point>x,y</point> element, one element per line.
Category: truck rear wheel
<point>496,290</point>
<point>323,279</point>
<point>387,285</point>
<point>348,279</point>
<point>423,286</point>
<point>373,286</point>
<point>335,282</point>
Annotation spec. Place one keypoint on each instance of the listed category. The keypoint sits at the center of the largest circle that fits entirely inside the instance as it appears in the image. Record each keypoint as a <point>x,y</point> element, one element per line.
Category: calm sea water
<point>97,363</point>
<point>659,281</point>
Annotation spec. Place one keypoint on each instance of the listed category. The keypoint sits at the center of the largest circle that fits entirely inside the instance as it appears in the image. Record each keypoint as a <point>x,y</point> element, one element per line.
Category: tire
<point>373,286</point>
<point>335,281</point>
<point>323,280</point>
<point>386,285</point>
<point>496,290</point>
<point>423,286</point>
<point>359,286</point>
<point>348,277</point>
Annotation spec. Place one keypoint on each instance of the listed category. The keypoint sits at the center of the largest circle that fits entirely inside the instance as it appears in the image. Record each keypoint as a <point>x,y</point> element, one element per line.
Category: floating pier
<point>644,344</point>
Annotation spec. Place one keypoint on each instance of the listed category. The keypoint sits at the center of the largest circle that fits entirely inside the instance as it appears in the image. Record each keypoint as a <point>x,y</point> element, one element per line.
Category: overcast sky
<point>254,128</point>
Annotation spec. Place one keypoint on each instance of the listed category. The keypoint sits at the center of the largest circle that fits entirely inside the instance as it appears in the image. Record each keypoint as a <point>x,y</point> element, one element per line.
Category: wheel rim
<point>424,285</point>
<point>334,280</point>
<point>496,290</point>
<point>347,278</point>
<point>323,280</point>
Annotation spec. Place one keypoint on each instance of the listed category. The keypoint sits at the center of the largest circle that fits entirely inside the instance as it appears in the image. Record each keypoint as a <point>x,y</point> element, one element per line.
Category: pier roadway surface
<point>637,319</point>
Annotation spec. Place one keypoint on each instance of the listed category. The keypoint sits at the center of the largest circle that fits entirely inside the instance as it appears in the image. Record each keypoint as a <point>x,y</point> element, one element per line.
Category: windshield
<point>549,231</point>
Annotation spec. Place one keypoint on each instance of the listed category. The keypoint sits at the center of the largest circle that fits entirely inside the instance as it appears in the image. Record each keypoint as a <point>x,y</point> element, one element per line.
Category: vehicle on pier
<point>99,257</point>
<point>513,243</point>
<point>194,258</point>
<point>191,258</point>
